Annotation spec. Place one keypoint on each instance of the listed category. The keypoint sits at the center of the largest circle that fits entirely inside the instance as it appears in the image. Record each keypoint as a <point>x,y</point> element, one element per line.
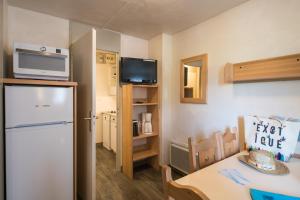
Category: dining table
<point>218,185</point>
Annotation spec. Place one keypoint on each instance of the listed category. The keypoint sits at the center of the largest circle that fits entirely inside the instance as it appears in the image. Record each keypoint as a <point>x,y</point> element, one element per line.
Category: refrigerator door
<point>39,163</point>
<point>30,105</point>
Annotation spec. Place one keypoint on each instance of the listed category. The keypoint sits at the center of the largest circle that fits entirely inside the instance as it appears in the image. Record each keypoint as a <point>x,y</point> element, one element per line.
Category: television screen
<point>138,71</point>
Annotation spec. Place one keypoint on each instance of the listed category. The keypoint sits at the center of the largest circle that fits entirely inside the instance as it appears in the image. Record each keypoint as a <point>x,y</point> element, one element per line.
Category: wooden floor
<point>113,185</point>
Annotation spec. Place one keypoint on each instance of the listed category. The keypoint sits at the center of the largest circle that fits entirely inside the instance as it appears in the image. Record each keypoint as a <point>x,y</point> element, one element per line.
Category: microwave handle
<point>43,53</point>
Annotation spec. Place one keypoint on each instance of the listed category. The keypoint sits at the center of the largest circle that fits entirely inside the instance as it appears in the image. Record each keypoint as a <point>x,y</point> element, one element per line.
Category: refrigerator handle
<point>39,124</point>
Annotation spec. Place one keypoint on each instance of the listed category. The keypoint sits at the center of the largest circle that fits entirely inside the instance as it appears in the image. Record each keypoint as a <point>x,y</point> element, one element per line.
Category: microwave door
<point>35,64</point>
<point>43,53</point>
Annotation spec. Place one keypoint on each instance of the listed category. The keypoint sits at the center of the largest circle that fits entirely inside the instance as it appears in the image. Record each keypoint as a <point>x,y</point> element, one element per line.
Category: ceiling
<point>141,18</point>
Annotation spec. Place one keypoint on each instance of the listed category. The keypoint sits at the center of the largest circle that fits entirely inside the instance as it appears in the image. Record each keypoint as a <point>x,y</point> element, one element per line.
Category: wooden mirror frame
<point>203,80</point>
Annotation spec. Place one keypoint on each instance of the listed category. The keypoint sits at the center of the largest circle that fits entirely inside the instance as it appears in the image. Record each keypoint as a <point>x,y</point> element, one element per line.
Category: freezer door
<point>28,105</point>
<point>39,163</point>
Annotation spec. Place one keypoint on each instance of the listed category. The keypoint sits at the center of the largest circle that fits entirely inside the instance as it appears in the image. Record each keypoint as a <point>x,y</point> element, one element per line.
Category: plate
<point>280,168</point>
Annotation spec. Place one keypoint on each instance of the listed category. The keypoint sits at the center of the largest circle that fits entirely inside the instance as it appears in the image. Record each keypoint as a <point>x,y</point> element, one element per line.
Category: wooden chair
<point>173,190</point>
<point>228,143</point>
<point>204,150</point>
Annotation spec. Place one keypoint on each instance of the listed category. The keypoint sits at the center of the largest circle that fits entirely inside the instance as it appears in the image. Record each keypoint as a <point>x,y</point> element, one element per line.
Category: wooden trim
<point>127,154</point>
<point>38,82</point>
<point>271,69</point>
<point>203,79</point>
<point>75,142</point>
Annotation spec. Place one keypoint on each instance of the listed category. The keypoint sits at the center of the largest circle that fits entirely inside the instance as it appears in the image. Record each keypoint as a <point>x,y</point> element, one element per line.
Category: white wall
<point>160,48</point>
<point>36,28</point>
<point>254,30</point>
<point>133,47</point>
<point>106,39</point>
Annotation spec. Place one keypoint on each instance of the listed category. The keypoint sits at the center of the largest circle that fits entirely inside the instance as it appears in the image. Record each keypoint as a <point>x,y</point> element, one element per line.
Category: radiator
<point>179,157</point>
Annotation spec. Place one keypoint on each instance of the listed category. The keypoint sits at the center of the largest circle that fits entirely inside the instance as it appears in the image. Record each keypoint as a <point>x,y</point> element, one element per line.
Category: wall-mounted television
<point>138,71</point>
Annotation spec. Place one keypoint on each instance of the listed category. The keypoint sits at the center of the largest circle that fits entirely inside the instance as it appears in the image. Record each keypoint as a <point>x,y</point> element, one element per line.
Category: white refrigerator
<point>39,143</point>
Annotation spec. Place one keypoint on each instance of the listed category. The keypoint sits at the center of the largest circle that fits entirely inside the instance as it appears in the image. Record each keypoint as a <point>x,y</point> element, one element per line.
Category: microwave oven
<point>40,62</point>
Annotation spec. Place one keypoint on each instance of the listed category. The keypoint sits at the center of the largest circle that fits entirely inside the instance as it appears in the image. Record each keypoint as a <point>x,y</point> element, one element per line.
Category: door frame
<point>118,110</point>
<point>119,118</point>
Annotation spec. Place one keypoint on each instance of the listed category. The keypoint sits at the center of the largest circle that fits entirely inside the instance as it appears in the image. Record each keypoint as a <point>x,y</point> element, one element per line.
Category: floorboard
<point>113,185</point>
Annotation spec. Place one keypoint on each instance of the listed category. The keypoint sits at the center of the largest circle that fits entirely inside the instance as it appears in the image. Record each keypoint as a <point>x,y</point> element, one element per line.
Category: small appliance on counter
<point>146,123</point>
<point>135,128</point>
<point>40,62</point>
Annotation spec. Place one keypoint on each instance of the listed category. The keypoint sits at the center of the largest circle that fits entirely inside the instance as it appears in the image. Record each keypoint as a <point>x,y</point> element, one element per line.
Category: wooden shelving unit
<point>145,146</point>
<point>272,69</point>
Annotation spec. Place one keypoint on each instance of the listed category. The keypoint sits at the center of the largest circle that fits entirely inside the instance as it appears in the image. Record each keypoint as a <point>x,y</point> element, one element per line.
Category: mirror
<point>193,83</point>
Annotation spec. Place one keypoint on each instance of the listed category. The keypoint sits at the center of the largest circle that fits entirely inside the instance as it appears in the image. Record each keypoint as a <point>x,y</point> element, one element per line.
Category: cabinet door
<point>112,80</point>
<point>106,131</point>
<point>113,134</point>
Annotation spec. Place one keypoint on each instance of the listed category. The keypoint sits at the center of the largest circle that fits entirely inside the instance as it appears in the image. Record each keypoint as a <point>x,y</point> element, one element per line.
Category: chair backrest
<point>177,191</point>
<point>228,143</point>
<point>204,150</point>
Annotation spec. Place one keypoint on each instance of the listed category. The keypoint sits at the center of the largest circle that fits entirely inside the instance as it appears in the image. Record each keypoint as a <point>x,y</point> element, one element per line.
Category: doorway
<point>106,115</point>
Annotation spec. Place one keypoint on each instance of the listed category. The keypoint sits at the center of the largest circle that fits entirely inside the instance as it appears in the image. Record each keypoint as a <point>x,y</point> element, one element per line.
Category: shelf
<point>38,82</point>
<point>272,69</point>
<point>142,136</point>
<point>141,155</point>
<point>145,86</point>
<point>145,104</point>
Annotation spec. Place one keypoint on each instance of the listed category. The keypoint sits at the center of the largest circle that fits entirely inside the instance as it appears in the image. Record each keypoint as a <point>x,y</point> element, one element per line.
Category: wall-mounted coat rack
<point>272,69</point>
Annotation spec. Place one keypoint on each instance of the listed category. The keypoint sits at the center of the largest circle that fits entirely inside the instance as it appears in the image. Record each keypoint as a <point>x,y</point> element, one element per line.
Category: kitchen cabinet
<point>106,130</point>
<point>113,133</point>
<point>112,79</point>
<point>99,129</point>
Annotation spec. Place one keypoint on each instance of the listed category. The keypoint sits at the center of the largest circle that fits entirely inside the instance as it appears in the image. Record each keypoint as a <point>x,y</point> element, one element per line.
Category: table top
<point>218,187</point>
